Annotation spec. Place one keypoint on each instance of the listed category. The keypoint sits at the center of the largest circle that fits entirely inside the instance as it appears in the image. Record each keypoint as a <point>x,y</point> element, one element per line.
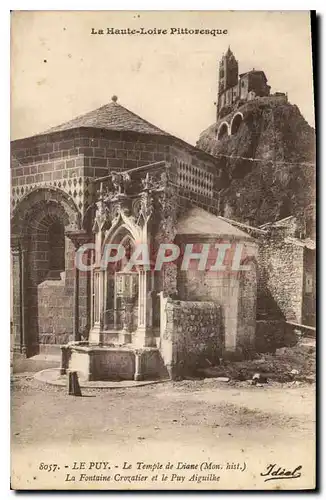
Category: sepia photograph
<point>163,250</point>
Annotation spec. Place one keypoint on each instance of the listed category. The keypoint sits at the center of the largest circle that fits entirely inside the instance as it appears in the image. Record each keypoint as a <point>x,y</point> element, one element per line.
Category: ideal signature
<point>274,471</point>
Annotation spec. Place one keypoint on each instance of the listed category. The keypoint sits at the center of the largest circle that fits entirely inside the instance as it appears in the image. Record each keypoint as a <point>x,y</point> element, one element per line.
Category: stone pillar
<point>115,312</point>
<point>16,319</point>
<point>144,333</point>
<point>98,313</point>
<point>75,327</point>
<point>138,366</point>
<point>101,296</point>
<point>98,276</point>
<point>23,298</point>
<point>18,283</point>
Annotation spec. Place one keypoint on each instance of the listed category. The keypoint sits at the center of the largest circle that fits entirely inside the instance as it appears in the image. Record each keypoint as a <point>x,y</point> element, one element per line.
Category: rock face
<point>262,191</point>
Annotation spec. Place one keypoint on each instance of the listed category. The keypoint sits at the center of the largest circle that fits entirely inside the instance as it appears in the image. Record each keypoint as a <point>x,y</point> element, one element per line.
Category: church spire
<point>229,52</point>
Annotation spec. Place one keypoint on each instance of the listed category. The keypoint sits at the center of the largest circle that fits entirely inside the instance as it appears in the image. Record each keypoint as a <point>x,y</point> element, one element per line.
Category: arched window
<point>236,122</point>
<point>222,131</point>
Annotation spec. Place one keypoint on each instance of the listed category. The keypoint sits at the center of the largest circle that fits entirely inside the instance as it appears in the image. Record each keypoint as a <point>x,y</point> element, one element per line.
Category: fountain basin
<point>104,362</point>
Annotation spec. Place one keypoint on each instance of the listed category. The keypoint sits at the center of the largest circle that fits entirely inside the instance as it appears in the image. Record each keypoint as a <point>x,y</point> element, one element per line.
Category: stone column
<point>144,333</point>
<point>18,283</point>
<point>138,375</point>
<point>101,296</point>
<point>98,277</point>
<point>16,320</point>
<point>98,313</point>
<point>115,312</point>
<point>23,298</point>
<point>75,327</point>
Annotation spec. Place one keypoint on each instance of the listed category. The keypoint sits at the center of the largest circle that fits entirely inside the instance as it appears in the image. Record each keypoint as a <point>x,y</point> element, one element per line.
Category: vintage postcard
<point>163,332</point>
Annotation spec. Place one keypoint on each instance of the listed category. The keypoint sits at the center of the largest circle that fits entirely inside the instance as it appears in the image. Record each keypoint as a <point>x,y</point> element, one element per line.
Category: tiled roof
<point>112,116</point>
<point>199,221</point>
<point>244,227</point>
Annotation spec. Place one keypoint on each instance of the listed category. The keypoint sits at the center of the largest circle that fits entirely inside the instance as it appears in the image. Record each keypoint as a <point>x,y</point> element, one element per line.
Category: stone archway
<point>43,270</point>
<point>236,122</point>
<point>110,291</point>
<point>106,311</point>
<point>41,199</point>
<point>223,130</point>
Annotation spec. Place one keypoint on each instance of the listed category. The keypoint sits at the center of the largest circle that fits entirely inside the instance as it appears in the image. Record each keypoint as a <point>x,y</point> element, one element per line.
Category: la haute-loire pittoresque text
<point>158,31</point>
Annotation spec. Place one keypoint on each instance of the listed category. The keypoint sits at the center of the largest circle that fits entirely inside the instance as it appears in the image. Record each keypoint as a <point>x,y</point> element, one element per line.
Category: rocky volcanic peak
<point>263,191</point>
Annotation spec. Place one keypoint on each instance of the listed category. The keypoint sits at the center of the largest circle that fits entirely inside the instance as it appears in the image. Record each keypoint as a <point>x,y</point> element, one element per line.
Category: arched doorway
<point>42,270</point>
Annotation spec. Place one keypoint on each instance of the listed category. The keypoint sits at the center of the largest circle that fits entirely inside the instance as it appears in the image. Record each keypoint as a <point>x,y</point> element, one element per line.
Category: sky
<point>59,70</point>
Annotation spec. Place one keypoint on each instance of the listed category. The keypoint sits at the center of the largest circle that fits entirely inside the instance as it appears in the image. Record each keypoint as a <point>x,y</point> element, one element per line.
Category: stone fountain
<point>123,343</point>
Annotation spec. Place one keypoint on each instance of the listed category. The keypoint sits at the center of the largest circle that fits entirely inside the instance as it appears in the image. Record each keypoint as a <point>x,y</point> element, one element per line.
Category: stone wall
<point>236,294</point>
<point>120,151</point>
<point>197,174</point>
<point>52,316</point>
<point>309,288</point>
<point>46,157</point>
<point>55,311</point>
<point>69,160</point>
<point>51,305</point>
<point>54,161</point>
<point>194,332</point>
<point>280,280</point>
<point>222,289</point>
<point>246,324</point>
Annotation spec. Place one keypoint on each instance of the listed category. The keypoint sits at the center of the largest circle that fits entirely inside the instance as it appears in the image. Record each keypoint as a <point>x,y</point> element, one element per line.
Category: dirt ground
<point>187,420</point>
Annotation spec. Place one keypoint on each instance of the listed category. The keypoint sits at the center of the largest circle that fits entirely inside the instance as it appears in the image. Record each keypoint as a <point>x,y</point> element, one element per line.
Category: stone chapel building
<point>111,177</point>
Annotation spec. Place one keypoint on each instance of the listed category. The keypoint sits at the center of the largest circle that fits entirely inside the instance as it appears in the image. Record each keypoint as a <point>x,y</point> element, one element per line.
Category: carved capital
<point>78,237</point>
